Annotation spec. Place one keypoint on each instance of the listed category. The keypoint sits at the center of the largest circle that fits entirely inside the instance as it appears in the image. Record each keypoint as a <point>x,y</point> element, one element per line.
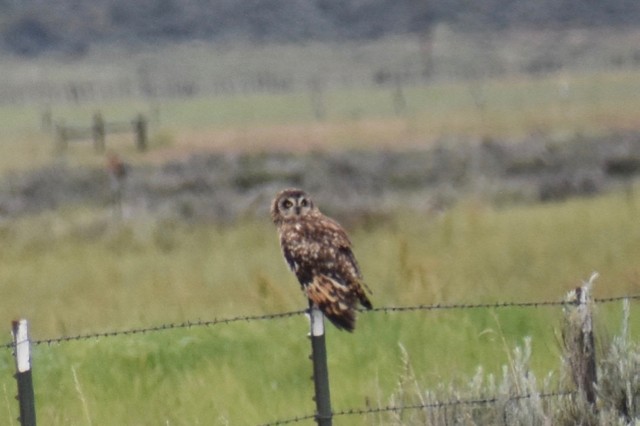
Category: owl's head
<point>291,204</point>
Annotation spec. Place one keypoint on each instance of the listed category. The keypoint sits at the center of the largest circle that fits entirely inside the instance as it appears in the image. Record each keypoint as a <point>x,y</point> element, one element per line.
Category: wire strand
<point>267,317</point>
<point>429,406</point>
<point>495,305</point>
<point>161,327</point>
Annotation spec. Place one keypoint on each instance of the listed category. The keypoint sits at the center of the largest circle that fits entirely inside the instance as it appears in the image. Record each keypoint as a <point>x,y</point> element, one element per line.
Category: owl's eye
<point>287,204</point>
<point>304,202</point>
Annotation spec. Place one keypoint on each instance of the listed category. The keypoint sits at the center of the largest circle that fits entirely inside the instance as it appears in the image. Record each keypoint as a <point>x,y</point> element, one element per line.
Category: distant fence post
<point>46,119</point>
<point>22,354</point>
<point>320,369</point>
<point>98,132</point>
<point>61,137</point>
<point>117,171</point>
<point>140,130</point>
<point>579,341</point>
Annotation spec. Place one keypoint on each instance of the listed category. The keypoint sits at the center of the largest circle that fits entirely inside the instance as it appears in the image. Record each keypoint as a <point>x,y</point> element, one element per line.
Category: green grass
<point>74,272</point>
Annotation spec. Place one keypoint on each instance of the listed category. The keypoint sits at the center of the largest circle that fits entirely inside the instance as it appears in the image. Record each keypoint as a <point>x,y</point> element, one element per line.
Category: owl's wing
<point>347,259</point>
<point>296,257</point>
<point>319,253</point>
<point>316,245</point>
<point>340,268</point>
<point>290,258</point>
<point>332,229</point>
<point>335,236</point>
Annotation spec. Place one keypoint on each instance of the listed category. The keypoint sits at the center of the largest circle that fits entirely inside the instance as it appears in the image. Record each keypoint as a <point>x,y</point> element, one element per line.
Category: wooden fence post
<point>98,132</point>
<point>140,130</point>
<point>320,369</point>
<point>46,119</point>
<point>22,353</point>
<point>579,342</point>
<point>61,137</point>
<point>117,171</point>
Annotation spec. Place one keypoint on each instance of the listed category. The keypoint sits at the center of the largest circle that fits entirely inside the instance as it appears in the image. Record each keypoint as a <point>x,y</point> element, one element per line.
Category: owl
<point>318,251</point>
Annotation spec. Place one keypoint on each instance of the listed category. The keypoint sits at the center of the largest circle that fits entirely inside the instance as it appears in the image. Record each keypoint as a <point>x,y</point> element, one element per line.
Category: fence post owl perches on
<point>320,369</point>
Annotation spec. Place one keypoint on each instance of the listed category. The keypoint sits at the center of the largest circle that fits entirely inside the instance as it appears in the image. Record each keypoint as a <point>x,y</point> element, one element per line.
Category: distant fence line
<point>580,331</point>
<point>97,131</point>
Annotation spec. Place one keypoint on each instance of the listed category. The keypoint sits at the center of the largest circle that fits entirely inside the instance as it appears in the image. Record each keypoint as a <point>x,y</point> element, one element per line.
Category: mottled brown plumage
<point>318,251</point>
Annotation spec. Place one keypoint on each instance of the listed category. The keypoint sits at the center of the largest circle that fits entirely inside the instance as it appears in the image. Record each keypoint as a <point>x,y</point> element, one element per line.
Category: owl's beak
<point>297,209</point>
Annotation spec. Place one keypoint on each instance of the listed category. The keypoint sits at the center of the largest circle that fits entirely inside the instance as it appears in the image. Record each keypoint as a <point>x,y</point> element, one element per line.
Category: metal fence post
<point>320,369</point>
<point>22,353</point>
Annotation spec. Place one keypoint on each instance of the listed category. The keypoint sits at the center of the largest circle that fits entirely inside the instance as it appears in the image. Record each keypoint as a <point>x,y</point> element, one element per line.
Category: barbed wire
<point>427,406</point>
<point>291,420</point>
<point>495,305</point>
<point>616,298</point>
<point>267,317</point>
<point>352,411</point>
<point>162,327</point>
<point>446,404</point>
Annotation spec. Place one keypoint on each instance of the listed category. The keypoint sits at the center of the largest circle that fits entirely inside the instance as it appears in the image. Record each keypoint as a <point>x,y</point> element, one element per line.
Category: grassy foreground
<point>74,273</point>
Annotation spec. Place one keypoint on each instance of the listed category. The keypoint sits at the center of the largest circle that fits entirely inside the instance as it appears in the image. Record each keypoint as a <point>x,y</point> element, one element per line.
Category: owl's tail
<point>335,300</point>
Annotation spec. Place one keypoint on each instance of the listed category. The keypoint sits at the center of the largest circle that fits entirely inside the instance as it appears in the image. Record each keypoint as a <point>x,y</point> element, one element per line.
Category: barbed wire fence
<point>324,414</point>
<point>425,406</point>
<point>281,315</point>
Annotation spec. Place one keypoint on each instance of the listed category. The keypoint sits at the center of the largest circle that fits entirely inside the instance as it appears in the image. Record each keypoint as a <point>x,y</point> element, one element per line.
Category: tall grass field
<point>71,274</point>
<point>76,271</point>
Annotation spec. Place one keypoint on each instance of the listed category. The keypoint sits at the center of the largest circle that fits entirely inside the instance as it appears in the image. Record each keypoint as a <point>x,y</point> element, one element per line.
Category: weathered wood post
<point>46,119</point>
<point>579,342</point>
<point>98,132</point>
<point>61,138</point>
<point>117,171</point>
<point>22,353</point>
<point>140,130</point>
<point>320,369</point>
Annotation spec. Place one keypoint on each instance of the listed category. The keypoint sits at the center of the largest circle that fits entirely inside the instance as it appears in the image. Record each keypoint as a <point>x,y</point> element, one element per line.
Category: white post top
<point>21,340</point>
<point>317,322</point>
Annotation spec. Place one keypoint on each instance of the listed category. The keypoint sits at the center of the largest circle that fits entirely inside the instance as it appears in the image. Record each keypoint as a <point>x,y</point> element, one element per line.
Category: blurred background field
<point>470,163</point>
<point>398,90</point>
<point>558,106</point>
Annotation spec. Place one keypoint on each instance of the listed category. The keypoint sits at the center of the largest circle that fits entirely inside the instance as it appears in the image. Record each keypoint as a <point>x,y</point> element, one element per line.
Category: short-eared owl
<point>318,251</point>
